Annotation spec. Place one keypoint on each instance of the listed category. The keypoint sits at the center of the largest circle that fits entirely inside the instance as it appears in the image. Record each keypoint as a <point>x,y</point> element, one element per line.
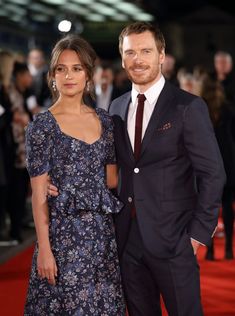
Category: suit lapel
<point>122,111</point>
<point>161,107</point>
<point>125,108</point>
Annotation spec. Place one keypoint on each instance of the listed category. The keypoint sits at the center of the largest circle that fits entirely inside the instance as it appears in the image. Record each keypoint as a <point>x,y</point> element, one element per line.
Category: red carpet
<point>217,282</point>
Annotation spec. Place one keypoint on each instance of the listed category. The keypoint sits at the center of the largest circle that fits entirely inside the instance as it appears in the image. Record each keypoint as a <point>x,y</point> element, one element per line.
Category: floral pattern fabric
<point>81,228</point>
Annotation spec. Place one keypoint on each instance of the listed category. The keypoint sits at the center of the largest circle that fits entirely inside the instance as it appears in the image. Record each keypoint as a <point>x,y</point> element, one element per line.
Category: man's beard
<point>141,78</point>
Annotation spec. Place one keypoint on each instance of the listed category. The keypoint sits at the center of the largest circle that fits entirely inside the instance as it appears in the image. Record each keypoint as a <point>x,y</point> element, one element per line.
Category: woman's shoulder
<point>104,115</point>
<point>42,121</point>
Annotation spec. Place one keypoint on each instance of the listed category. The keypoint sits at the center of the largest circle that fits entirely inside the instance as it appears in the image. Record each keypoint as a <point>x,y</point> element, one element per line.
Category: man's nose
<point>138,56</point>
<point>138,59</point>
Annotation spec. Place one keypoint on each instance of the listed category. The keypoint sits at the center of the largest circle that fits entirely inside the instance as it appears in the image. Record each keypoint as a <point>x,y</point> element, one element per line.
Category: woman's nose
<point>68,74</point>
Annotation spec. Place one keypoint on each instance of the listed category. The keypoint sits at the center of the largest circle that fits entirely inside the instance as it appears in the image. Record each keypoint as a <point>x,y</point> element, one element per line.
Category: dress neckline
<point>75,138</point>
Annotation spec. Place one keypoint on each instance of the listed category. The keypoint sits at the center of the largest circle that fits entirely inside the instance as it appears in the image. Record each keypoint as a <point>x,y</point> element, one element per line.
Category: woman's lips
<point>69,85</point>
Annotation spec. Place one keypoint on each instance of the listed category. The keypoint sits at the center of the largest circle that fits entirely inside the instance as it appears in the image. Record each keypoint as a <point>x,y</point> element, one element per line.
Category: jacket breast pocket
<point>169,132</point>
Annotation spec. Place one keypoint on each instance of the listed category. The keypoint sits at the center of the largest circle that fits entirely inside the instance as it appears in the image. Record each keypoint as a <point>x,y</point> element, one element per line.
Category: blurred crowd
<point>24,92</point>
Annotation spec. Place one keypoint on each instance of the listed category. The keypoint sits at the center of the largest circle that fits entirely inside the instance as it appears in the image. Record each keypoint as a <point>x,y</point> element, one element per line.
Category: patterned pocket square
<point>164,127</point>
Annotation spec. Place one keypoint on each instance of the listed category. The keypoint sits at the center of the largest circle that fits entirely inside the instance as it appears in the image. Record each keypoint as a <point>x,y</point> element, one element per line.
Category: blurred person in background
<point>7,145</point>
<point>186,80</point>
<point>169,69</point>
<point>122,82</point>
<point>24,105</point>
<point>105,89</point>
<point>222,114</point>
<point>38,69</point>
<point>224,73</point>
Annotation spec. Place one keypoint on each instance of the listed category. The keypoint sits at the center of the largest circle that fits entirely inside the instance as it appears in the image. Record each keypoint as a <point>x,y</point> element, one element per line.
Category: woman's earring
<point>54,85</point>
<point>88,86</point>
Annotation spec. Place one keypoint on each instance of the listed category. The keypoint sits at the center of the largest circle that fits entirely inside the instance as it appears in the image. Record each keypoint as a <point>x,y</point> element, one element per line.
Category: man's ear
<point>123,65</point>
<point>162,57</point>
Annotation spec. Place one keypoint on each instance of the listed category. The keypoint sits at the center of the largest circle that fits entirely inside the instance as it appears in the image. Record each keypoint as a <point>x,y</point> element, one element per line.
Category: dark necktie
<point>138,125</point>
<point>138,135</point>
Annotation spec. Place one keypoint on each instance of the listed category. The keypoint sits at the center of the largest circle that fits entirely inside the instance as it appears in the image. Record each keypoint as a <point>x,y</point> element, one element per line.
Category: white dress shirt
<point>151,95</point>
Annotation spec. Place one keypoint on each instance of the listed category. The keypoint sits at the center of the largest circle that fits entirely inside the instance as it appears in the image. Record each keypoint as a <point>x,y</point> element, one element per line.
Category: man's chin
<point>139,81</point>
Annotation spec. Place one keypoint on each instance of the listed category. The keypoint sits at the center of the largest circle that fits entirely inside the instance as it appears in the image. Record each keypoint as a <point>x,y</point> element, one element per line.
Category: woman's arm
<point>45,262</point>
<point>112,176</point>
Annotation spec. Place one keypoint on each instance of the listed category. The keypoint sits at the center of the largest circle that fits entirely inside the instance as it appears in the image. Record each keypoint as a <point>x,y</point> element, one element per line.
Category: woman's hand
<point>46,266</point>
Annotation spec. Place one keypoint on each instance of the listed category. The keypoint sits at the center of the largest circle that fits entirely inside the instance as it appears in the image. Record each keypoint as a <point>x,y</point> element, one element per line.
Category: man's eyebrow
<point>144,48</point>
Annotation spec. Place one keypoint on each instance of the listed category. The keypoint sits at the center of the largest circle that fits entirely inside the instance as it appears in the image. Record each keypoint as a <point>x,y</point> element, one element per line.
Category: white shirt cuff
<point>198,242</point>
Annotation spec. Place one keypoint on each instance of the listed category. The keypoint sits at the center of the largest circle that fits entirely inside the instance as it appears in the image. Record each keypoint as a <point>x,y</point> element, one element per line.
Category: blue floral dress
<point>81,226</point>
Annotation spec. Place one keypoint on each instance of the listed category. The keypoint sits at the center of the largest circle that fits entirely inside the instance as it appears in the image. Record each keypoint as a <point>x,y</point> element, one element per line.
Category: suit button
<point>129,199</point>
<point>136,170</point>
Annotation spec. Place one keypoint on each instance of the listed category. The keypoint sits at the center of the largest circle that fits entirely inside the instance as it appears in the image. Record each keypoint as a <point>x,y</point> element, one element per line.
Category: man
<point>105,89</point>
<point>171,184</point>
<point>38,69</point>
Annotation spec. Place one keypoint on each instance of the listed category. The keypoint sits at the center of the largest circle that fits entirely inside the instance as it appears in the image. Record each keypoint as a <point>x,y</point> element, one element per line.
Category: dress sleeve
<point>38,147</point>
<point>110,147</point>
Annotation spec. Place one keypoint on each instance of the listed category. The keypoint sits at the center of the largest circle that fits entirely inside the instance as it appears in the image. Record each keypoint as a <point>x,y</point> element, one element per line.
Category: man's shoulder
<point>122,97</point>
<point>118,104</point>
<point>180,93</point>
<point>182,98</point>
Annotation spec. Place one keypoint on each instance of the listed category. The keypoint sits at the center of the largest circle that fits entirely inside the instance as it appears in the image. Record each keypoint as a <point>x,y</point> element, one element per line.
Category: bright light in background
<point>64,26</point>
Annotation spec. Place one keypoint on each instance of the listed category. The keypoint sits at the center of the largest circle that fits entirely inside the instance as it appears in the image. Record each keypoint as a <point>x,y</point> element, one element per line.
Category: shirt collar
<point>151,94</point>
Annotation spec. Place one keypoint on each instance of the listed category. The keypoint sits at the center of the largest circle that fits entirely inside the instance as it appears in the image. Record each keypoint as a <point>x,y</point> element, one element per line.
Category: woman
<point>75,266</point>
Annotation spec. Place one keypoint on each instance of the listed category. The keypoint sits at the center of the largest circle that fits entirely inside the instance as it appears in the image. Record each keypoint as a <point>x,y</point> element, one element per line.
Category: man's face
<point>141,59</point>
<point>36,58</point>
<point>223,65</point>
<point>106,78</point>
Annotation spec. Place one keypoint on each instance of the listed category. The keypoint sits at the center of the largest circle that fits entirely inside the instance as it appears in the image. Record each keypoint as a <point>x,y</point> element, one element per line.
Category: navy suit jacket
<point>177,183</point>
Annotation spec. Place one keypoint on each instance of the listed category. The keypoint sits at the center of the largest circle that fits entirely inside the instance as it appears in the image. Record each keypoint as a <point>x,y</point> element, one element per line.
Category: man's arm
<point>112,176</point>
<point>203,150</point>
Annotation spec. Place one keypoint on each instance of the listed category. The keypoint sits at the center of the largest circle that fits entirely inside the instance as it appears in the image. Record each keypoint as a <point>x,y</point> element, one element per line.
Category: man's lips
<point>138,69</point>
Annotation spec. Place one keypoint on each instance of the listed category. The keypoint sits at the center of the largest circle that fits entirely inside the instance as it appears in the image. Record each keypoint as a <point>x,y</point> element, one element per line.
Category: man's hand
<point>51,189</point>
<point>195,245</point>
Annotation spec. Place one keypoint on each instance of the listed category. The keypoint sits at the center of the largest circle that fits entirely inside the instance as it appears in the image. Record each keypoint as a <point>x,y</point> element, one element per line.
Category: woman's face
<point>70,75</point>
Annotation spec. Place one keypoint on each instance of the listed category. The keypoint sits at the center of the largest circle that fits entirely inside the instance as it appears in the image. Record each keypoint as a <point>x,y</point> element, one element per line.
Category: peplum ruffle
<point>96,199</point>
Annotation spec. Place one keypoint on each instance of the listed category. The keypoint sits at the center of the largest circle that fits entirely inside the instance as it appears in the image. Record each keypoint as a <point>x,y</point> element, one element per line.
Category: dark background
<point>194,30</point>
